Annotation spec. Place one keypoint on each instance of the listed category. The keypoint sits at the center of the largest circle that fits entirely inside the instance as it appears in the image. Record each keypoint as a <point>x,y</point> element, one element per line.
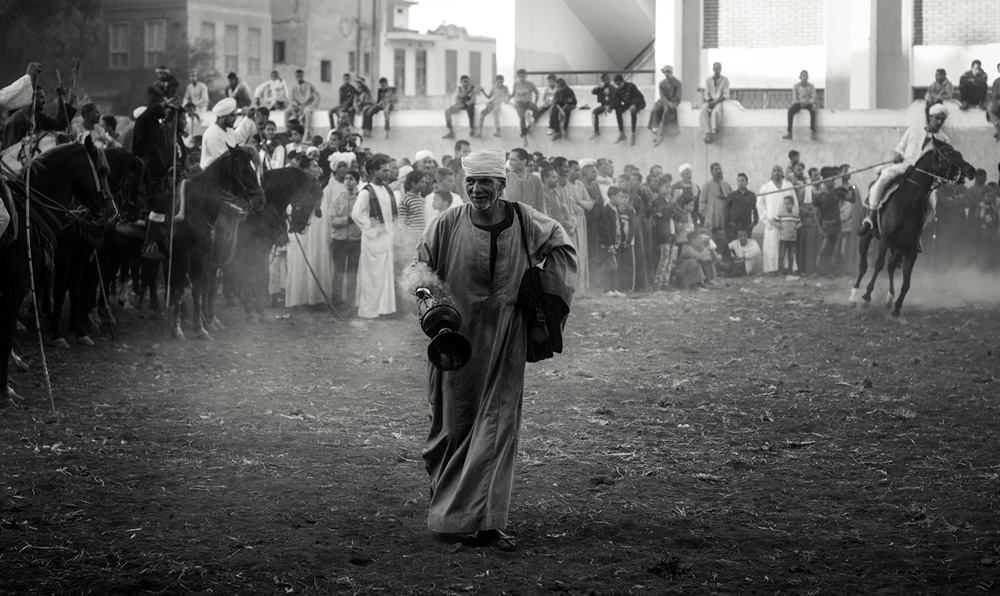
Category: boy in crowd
<point>745,255</point>
<point>788,224</point>
<point>827,214</point>
<point>611,233</point>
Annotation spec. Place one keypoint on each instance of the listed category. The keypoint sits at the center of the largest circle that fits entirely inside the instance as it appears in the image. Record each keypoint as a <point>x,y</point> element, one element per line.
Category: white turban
<point>422,155</point>
<point>588,162</point>
<point>683,167</point>
<point>404,171</point>
<point>338,158</point>
<point>489,162</point>
<point>224,107</point>
<point>138,112</point>
<point>938,109</point>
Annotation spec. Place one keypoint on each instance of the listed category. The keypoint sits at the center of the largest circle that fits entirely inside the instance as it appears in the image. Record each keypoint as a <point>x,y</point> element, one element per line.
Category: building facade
<point>212,37</point>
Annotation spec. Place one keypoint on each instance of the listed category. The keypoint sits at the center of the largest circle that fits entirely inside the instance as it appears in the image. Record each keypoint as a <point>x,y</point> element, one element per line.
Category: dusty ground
<point>756,438</point>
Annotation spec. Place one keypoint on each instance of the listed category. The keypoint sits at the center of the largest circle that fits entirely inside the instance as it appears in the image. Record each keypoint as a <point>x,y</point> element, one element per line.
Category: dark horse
<point>269,227</point>
<point>58,176</point>
<point>901,220</point>
<point>208,228</point>
<point>76,268</point>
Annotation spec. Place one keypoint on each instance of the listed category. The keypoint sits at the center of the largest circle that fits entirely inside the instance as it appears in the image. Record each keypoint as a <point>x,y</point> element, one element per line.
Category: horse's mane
<point>56,153</point>
<point>287,183</point>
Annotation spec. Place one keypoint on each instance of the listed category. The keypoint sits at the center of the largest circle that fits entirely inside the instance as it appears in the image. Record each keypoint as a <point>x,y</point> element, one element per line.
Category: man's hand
<point>897,158</point>
<point>34,69</point>
<point>60,91</point>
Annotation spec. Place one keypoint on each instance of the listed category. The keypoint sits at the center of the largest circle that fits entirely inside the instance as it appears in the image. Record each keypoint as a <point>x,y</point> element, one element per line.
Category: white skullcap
<point>587,162</point>
<point>312,152</point>
<point>138,112</point>
<point>422,155</point>
<point>224,107</point>
<point>938,109</point>
<point>404,171</point>
<point>488,162</point>
<point>683,167</point>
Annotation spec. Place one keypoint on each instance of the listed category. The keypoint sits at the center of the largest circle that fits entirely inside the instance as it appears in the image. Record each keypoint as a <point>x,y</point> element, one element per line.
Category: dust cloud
<point>952,288</point>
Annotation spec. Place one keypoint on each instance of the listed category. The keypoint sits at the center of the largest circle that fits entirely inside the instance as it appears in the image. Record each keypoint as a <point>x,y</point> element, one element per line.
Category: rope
<point>104,294</point>
<point>31,263</point>
<point>314,276</point>
<point>170,248</point>
<point>837,177</point>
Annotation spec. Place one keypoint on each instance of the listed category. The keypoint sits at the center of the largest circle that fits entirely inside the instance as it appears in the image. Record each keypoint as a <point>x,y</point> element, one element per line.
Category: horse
<point>208,228</point>
<point>58,176</point>
<point>79,255</point>
<point>901,220</point>
<point>269,227</point>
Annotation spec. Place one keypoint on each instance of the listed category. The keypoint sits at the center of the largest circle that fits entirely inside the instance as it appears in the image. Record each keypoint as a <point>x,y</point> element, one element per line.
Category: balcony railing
<point>592,77</point>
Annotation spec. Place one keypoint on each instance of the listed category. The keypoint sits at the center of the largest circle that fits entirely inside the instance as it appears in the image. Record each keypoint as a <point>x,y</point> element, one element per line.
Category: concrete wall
<point>956,59</point>
<point>961,22</point>
<point>769,23</point>
<point>537,48</point>
<point>750,140</point>
<point>768,68</point>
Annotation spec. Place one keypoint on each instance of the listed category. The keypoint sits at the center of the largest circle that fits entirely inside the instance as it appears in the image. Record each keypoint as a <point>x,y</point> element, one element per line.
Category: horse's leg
<point>909,260</point>
<point>63,265</point>
<point>879,264</point>
<point>10,304</point>
<point>199,283</point>
<point>891,270</point>
<point>79,303</point>
<point>173,299</point>
<point>150,274</point>
<point>214,324</point>
<point>863,243</point>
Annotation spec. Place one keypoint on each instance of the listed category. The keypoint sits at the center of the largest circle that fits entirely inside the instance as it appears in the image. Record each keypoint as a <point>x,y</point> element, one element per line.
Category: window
<point>156,43</point>
<point>368,60</point>
<point>232,42</point>
<point>253,51</point>
<point>325,71</point>
<point>208,36</point>
<point>279,52</point>
<point>352,61</point>
<point>476,68</point>
<point>399,68</point>
<point>118,46</point>
<point>421,72</point>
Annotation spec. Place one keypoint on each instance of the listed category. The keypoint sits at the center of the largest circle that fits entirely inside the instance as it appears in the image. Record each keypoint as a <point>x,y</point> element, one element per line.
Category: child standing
<point>788,225</point>
<point>497,96</point>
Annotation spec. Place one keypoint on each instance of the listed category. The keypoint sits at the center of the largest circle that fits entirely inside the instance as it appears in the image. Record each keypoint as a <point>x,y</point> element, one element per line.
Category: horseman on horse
<point>157,142</point>
<point>916,141</point>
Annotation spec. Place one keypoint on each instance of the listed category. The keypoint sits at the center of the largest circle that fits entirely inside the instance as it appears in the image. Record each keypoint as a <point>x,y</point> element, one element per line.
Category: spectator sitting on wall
<point>605,93</point>
<point>938,91</point>
<point>548,97</point>
<point>345,106</point>
<point>663,119</point>
<point>239,91</point>
<point>629,99</point>
<point>973,87</point>
<point>993,105</point>
<point>465,101</point>
<point>385,102</point>
<point>497,96</point>
<point>526,98</point>
<point>196,93</point>
<point>715,93</point>
<point>563,104</point>
<point>803,98</point>
<point>272,93</point>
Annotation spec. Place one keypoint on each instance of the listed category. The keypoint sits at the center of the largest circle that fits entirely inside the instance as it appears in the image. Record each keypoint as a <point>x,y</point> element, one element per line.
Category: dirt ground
<point>760,437</point>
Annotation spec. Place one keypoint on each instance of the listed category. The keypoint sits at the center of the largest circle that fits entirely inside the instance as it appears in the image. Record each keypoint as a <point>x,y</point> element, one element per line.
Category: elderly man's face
<point>936,122</point>
<point>483,191</point>
<point>686,175</point>
<point>777,174</point>
<point>589,174</point>
<point>341,170</point>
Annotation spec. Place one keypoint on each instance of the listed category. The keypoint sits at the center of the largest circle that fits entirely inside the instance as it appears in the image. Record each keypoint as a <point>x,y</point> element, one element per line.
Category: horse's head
<point>100,169</point>
<point>304,203</point>
<point>949,164</point>
<point>125,179</point>
<point>245,169</point>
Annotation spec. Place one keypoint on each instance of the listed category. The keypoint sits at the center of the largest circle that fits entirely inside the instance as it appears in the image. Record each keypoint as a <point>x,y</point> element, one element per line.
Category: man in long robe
<point>769,206</point>
<point>375,214</point>
<point>478,252</point>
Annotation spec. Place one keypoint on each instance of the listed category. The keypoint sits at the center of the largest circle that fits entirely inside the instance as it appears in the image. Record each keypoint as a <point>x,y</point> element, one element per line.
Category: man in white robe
<point>311,249</point>
<point>479,253</point>
<point>770,204</point>
<point>376,216</point>
<point>221,135</point>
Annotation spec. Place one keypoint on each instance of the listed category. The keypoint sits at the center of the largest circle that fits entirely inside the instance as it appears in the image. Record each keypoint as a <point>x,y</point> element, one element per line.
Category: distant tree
<point>53,32</point>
